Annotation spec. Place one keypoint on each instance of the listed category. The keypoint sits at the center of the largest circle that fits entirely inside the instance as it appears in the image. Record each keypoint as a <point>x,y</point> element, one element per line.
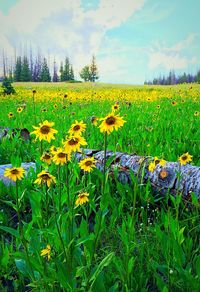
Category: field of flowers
<point>70,227</point>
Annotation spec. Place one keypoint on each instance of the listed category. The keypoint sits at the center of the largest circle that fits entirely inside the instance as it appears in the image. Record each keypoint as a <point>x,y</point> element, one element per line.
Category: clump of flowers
<point>156,161</point>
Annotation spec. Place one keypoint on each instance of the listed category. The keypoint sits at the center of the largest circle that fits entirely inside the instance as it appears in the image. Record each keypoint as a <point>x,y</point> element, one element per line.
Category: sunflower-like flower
<point>53,150</point>
<point>185,158</point>
<point>111,122</point>
<point>156,161</point>
<point>87,164</point>
<point>174,103</point>
<point>45,131</point>
<point>115,107</point>
<point>14,173</point>
<point>196,114</point>
<point>45,177</point>
<point>46,252</point>
<point>20,109</point>
<point>61,157</point>
<point>82,199</point>
<point>73,143</point>
<point>10,115</point>
<point>162,162</point>
<point>77,128</point>
<point>46,157</point>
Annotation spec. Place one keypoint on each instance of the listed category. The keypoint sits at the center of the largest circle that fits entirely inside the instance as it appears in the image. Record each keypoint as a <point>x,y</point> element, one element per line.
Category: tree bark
<point>172,178</point>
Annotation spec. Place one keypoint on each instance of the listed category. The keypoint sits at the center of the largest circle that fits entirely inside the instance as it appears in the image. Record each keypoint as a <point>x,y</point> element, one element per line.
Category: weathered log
<point>172,178</point>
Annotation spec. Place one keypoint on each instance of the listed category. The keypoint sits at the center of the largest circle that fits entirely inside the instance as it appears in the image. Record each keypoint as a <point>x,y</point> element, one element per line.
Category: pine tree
<point>93,70</point>
<point>71,73</point>
<point>7,86</point>
<point>61,72</point>
<point>25,72</point>
<point>85,73</point>
<point>66,72</point>
<point>36,71</point>
<point>55,75</point>
<point>18,70</point>
<point>45,74</point>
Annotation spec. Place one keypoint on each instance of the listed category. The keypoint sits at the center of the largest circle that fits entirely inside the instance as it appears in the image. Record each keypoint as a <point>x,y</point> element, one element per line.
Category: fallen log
<point>172,178</point>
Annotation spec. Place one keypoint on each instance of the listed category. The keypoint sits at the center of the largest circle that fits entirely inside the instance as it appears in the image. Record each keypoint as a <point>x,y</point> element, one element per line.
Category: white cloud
<point>173,57</point>
<point>62,27</point>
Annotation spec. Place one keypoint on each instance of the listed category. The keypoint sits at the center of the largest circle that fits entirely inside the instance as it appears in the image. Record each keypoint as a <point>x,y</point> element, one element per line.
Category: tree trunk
<point>172,178</point>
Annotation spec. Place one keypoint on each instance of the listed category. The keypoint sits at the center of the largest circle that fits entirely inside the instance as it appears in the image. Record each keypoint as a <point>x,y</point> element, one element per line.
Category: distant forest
<point>172,79</point>
<point>36,69</point>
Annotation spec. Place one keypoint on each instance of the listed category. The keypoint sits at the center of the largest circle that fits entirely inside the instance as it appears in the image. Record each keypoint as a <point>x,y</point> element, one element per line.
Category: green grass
<point>122,239</point>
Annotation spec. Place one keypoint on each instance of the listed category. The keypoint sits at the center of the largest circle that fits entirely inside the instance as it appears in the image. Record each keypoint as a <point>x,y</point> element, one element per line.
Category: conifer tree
<point>66,72</point>
<point>71,73</point>
<point>25,72</point>
<point>45,74</point>
<point>55,75</point>
<point>61,72</point>
<point>93,70</point>
<point>18,70</point>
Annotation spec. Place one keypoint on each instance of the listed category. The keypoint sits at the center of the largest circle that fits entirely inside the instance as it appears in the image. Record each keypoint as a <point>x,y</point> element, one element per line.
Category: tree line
<point>172,79</point>
<point>25,70</point>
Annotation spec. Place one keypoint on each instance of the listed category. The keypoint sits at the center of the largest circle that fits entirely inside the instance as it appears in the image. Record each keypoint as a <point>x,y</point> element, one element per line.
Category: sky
<point>132,40</point>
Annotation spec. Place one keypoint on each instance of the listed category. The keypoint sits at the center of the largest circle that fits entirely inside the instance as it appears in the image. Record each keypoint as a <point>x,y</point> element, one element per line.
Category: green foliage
<point>85,74</point>
<point>45,74</point>
<point>90,73</point>
<point>7,87</point>
<point>123,239</point>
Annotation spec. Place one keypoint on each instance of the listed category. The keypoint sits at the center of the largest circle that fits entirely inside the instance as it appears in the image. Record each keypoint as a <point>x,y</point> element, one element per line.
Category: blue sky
<point>132,40</point>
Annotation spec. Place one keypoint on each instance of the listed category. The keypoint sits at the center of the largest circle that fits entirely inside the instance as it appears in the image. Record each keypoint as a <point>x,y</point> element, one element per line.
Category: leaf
<point>105,262</point>
<point>21,265</point>
<point>5,257</point>
<point>10,230</point>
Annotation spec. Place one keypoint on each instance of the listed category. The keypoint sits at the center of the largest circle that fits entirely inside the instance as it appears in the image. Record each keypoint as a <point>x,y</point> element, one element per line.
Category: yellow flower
<point>111,122</point>
<point>74,143</point>
<point>45,131</point>
<point>162,162</point>
<point>20,109</point>
<point>185,158</point>
<point>196,114</point>
<point>87,164</point>
<point>14,173</point>
<point>61,157</point>
<point>45,178</point>
<point>77,128</point>
<point>174,103</point>
<point>46,157</point>
<point>152,166</point>
<point>53,150</point>
<point>10,115</point>
<point>115,107</point>
<point>94,120</point>
<point>158,106</point>
<point>82,199</point>
<point>46,252</point>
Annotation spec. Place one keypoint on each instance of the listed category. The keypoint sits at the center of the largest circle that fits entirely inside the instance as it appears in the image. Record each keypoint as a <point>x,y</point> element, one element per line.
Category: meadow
<point>82,230</point>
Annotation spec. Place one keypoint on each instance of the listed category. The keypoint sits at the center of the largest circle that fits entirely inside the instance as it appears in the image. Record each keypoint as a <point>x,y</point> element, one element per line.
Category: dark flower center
<point>157,161</point>
<point>61,155</point>
<point>88,163</point>
<point>45,129</point>
<point>45,177</point>
<point>110,121</point>
<point>73,141</point>
<point>76,128</point>
<point>184,157</point>
<point>46,156</point>
<point>14,171</point>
